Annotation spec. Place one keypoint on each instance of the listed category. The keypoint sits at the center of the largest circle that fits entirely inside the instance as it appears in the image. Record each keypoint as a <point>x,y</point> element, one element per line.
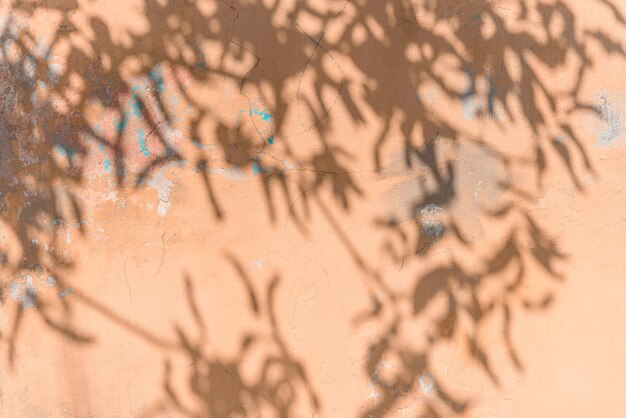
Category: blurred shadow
<point>262,377</point>
<point>382,58</point>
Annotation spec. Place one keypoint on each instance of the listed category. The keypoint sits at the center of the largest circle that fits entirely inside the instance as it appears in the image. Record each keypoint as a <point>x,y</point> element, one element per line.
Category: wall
<point>243,208</point>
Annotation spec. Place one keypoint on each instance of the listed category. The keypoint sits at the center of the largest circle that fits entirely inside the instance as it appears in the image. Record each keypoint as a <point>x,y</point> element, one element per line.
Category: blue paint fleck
<point>143,146</point>
<point>256,169</point>
<point>265,116</point>
<point>135,105</point>
<point>121,124</point>
<point>64,150</point>
<point>107,165</point>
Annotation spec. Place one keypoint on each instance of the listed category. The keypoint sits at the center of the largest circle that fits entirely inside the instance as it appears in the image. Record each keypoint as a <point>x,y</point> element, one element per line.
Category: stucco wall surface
<point>282,208</point>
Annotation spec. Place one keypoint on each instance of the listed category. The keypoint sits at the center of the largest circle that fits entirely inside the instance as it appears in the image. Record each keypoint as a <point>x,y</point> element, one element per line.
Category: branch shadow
<point>302,61</point>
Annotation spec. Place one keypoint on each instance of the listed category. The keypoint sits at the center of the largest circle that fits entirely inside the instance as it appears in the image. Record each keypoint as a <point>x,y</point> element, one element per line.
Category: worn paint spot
<point>430,220</point>
<point>120,124</point>
<point>112,196</point>
<point>426,382</point>
<point>468,96</point>
<point>135,103</point>
<point>256,168</point>
<point>163,186</point>
<point>264,114</point>
<point>611,125</point>
<point>259,263</point>
<point>200,62</point>
<point>475,104</point>
<point>143,146</point>
<point>52,282</point>
<point>156,76</point>
<point>64,150</point>
<point>234,173</point>
<point>54,72</point>
<point>374,381</point>
<point>24,293</point>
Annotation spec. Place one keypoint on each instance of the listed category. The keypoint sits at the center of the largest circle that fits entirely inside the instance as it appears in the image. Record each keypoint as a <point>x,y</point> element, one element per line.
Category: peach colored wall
<point>281,208</point>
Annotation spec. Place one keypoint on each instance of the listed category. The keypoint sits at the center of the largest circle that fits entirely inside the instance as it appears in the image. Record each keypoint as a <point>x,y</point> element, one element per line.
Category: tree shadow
<point>406,63</point>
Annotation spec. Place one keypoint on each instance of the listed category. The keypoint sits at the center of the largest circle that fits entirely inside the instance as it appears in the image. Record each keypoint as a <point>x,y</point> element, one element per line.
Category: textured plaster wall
<point>312,208</point>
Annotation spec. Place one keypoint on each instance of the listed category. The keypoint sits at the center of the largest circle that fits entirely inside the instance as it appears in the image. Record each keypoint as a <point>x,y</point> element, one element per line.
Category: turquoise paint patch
<point>64,150</point>
<point>256,169</point>
<point>121,124</point>
<point>107,165</point>
<point>143,147</point>
<point>270,140</point>
<point>136,105</point>
<point>265,116</point>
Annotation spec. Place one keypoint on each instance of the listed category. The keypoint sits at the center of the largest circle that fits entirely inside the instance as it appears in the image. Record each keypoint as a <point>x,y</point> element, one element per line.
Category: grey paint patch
<point>24,293</point>
<point>426,382</point>
<point>431,221</point>
<point>163,186</point>
<point>479,186</point>
<point>230,173</point>
<point>52,282</point>
<point>609,123</point>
